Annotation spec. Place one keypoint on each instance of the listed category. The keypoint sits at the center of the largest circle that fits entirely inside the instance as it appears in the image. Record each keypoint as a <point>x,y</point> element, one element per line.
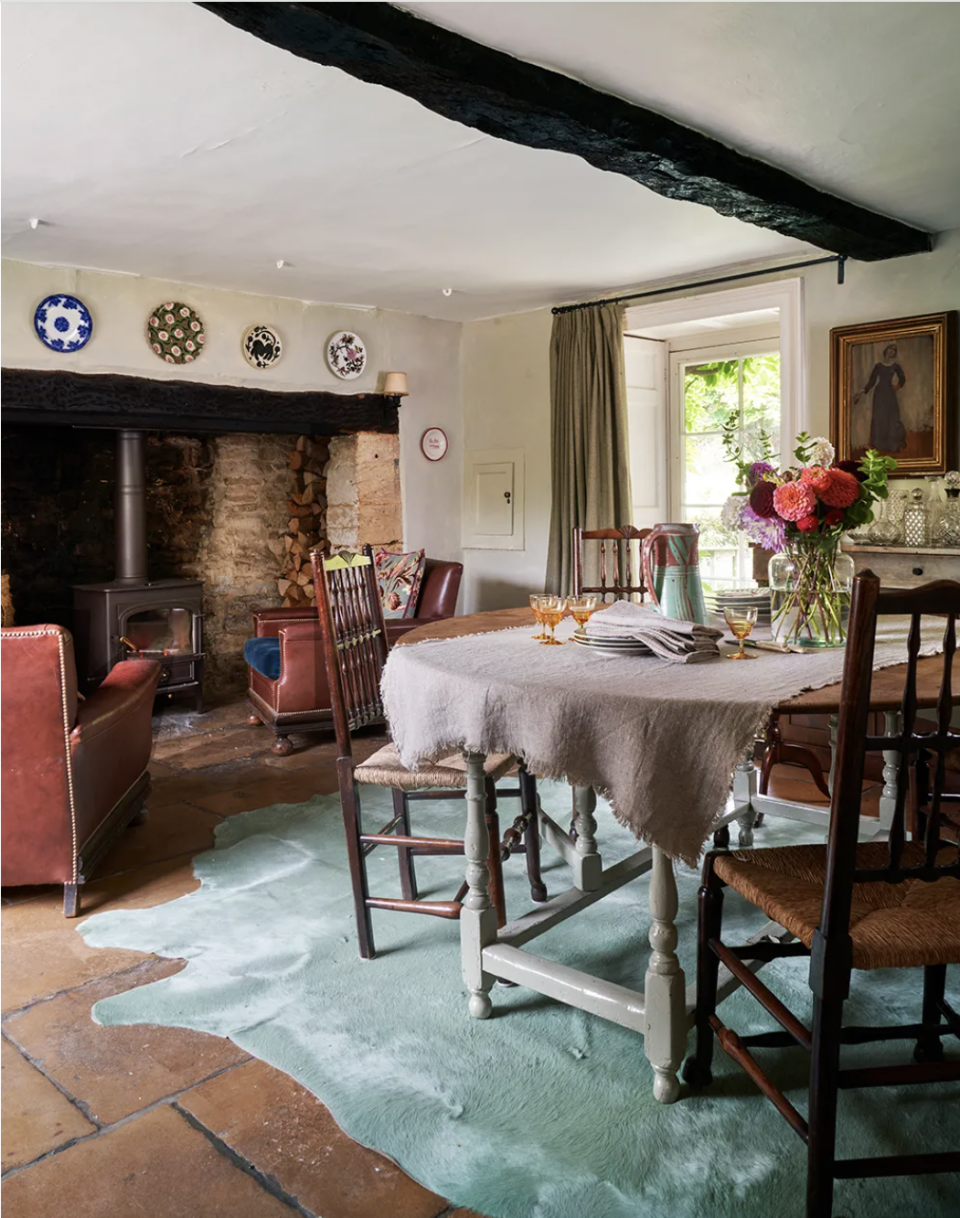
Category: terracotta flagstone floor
<point>161,1121</point>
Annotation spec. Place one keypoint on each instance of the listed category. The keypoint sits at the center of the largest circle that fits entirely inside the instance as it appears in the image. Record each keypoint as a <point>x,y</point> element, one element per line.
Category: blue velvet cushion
<point>264,656</point>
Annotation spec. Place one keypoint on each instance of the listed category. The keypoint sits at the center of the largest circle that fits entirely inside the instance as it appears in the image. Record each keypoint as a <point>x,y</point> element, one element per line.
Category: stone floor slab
<point>114,1072</point>
<point>157,1165</point>
<point>43,954</point>
<point>37,1118</point>
<point>286,1133</point>
<point>167,831</point>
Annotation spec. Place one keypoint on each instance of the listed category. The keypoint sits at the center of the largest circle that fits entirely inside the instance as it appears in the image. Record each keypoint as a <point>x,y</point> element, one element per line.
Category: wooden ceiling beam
<point>525,104</point>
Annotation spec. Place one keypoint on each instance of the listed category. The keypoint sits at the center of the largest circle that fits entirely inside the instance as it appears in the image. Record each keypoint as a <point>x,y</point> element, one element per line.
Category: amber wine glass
<point>552,609</point>
<point>581,609</point>
<point>535,599</point>
<point>741,620</point>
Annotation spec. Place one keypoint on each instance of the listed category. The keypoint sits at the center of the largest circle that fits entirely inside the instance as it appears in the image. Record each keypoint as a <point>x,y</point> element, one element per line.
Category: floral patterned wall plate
<point>175,333</point>
<point>346,354</point>
<point>262,346</point>
<point>63,323</point>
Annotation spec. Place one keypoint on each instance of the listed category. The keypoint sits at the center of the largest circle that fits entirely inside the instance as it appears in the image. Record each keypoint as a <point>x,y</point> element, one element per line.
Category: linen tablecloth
<point>659,740</point>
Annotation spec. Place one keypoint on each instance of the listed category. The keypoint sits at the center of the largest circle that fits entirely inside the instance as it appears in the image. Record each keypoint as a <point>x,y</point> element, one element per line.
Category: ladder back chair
<point>850,906</point>
<point>355,650</point>
<point>615,562</point>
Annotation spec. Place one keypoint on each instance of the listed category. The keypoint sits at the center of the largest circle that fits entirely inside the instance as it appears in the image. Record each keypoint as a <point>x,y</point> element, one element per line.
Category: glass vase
<point>810,584</point>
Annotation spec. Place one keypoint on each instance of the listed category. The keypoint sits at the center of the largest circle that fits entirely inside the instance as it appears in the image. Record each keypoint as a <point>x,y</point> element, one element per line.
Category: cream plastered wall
<point>427,350</point>
<point>505,386</point>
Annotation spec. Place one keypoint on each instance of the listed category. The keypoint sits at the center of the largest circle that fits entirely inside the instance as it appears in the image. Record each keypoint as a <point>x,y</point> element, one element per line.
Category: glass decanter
<point>885,530</point>
<point>916,520</point>
<point>946,529</point>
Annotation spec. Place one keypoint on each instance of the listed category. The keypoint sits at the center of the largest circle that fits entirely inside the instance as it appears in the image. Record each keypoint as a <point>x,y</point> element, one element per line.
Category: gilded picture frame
<point>893,387</point>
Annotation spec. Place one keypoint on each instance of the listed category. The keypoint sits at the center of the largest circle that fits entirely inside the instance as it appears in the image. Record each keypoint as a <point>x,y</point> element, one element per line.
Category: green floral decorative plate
<point>175,333</point>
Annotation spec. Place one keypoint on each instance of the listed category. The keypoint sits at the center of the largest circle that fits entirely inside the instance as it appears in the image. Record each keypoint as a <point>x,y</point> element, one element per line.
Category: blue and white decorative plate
<point>63,323</point>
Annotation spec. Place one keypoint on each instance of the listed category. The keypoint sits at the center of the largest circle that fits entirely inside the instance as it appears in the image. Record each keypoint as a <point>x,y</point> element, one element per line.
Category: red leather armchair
<point>74,773</point>
<point>298,700</point>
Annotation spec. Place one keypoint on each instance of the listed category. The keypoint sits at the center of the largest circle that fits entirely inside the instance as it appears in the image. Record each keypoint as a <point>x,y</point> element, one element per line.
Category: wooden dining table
<point>663,1011</point>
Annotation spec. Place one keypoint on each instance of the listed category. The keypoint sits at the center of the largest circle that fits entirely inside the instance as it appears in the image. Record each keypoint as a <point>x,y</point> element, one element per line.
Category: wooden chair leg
<point>494,858</point>
<point>822,1114</point>
<point>408,877</point>
<point>531,838</point>
<point>282,746</point>
<point>71,900</point>
<point>350,806</point>
<point>929,1045</point>
<point>698,1069</point>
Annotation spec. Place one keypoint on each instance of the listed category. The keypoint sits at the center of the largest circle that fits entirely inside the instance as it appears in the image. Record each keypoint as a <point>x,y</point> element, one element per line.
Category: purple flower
<point>756,472</point>
<point>766,533</point>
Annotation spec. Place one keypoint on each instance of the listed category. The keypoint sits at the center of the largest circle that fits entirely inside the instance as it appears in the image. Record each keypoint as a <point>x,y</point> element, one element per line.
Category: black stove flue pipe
<point>131,508</point>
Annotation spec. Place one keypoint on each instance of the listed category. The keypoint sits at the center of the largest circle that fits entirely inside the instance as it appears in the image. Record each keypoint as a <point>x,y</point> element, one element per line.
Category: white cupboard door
<point>493,500</point>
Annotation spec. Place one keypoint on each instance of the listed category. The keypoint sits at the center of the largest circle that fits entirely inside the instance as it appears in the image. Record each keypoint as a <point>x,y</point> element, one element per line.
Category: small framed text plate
<point>433,444</point>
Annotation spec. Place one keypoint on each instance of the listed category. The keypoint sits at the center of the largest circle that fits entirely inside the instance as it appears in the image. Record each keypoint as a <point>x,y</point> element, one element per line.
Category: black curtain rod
<point>839,259</point>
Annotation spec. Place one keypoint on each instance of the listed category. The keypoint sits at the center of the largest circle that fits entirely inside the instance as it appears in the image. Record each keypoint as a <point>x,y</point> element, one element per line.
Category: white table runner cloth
<point>659,740</point>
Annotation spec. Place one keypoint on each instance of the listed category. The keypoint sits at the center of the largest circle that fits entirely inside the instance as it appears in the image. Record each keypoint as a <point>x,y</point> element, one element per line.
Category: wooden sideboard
<point>905,566</point>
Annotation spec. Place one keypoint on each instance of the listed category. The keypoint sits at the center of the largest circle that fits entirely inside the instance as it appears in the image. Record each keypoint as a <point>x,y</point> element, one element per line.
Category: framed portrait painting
<point>893,387</point>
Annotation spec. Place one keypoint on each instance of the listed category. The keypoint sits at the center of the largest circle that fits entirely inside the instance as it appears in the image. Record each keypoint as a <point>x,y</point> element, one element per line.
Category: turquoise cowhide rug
<point>542,1111</point>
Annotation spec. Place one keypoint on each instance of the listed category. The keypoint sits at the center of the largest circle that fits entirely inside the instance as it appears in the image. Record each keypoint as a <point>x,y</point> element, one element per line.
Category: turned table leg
<point>744,791</point>
<point>478,918</point>
<point>588,868</point>
<point>665,1011</point>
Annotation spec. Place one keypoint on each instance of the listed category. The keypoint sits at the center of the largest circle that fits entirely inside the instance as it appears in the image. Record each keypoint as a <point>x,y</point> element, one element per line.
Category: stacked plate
<point>740,598</point>
<point>612,646</point>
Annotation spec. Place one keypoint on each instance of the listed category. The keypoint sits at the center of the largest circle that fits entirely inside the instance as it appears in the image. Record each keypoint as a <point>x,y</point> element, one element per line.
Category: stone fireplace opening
<point>236,513</point>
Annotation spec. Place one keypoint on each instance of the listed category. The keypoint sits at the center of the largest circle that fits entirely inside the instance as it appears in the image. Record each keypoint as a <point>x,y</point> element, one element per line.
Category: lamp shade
<point>395,385</point>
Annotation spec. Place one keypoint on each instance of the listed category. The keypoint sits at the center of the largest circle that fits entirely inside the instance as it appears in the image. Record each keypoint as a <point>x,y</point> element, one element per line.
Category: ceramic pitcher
<point>671,571</point>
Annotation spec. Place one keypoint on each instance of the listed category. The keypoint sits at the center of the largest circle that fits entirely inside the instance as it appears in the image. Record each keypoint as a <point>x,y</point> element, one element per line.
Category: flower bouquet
<point>801,511</point>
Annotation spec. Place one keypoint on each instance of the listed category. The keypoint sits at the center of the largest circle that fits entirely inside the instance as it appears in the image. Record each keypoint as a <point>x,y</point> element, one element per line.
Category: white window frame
<point>729,348</point>
<point>785,295</point>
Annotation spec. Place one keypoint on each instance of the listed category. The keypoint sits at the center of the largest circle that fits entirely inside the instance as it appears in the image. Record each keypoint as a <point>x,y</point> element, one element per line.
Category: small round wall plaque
<point>262,347</point>
<point>175,333</point>
<point>63,323</point>
<point>346,354</point>
<point>433,444</point>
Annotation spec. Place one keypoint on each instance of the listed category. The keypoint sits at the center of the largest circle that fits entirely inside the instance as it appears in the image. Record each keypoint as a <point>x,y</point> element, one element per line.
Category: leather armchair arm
<point>267,623</point>
<point>111,741</point>
<point>128,688</point>
<point>302,684</point>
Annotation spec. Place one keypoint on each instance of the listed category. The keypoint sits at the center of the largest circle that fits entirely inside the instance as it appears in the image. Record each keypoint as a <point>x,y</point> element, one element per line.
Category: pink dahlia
<point>841,489</point>
<point>815,476</point>
<point>794,500</point>
<point>761,499</point>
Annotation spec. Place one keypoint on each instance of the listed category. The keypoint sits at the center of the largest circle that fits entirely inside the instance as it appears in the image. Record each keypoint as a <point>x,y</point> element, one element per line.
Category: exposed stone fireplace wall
<point>216,511</point>
<point>240,512</point>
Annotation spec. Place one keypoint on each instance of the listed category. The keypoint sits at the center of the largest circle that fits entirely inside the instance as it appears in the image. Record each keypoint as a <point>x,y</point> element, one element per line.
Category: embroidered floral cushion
<point>399,577</point>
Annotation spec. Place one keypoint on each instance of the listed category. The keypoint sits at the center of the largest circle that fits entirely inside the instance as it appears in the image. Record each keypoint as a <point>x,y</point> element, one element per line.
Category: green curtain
<point>591,471</point>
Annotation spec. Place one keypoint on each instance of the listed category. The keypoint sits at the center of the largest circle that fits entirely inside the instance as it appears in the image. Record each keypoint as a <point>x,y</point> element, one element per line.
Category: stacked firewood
<point>307,504</point>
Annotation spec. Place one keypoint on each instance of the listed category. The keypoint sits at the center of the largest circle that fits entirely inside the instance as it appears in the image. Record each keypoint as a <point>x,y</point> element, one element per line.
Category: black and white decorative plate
<point>63,323</point>
<point>346,354</point>
<point>262,347</point>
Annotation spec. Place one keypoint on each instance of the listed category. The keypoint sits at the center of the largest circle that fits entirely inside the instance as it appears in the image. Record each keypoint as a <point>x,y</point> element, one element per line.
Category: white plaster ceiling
<point>155,139</point>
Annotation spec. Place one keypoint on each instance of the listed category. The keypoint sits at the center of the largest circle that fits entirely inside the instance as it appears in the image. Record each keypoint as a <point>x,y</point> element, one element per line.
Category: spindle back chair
<point>615,562</point>
<point>355,650</point>
<point>893,904</point>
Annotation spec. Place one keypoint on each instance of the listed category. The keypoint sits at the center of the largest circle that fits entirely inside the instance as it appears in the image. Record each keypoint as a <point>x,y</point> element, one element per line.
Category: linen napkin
<point>677,642</point>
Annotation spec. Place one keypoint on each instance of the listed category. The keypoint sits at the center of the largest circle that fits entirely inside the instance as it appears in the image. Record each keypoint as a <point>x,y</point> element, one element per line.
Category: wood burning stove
<point>133,615</point>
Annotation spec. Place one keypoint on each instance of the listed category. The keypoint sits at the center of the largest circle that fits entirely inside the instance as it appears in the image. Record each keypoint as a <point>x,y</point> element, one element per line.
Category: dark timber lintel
<point>525,104</point>
<point>109,400</point>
